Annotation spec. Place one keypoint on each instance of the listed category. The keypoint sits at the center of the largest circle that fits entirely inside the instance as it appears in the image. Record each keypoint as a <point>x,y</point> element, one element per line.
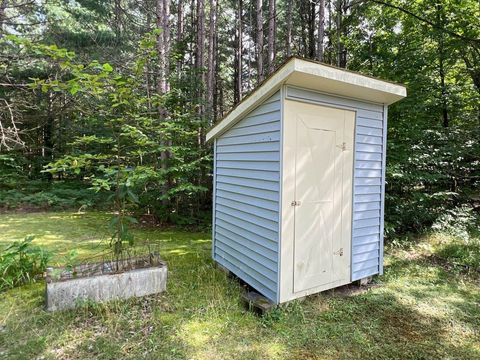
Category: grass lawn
<point>427,305</point>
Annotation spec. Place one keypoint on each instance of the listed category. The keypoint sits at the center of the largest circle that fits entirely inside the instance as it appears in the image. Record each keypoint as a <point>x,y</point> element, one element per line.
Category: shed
<point>299,180</point>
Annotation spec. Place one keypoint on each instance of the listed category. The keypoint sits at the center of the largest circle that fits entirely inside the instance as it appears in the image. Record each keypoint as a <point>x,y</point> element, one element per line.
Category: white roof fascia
<point>315,76</point>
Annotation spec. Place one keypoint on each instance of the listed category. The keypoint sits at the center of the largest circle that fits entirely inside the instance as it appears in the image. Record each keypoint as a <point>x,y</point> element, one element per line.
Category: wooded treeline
<point>131,108</point>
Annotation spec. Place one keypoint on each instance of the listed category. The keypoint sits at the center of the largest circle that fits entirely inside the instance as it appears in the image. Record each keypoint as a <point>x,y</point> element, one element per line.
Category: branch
<point>422,19</point>
<point>9,136</point>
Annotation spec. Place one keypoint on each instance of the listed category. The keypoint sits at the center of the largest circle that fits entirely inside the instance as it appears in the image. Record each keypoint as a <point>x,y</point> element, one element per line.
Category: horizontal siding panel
<point>257,193</point>
<point>275,97</point>
<point>363,130</point>
<point>367,156</point>
<point>368,189</point>
<point>249,165</point>
<point>365,273</point>
<point>251,280</point>
<point>250,218</point>
<point>240,223</point>
<point>265,156</point>
<point>373,230</point>
<point>250,183</point>
<point>267,106</point>
<point>368,114</point>
<point>264,118</point>
<point>368,148</point>
<point>247,184</point>
<point>268,278</point>
<point>252,174</point>
<point>257,237</point>
<point>254,243</point>
<point>366,198</point>
<point>250,139</point>
<point>249,148</point>
<point>248,199</point>
<point>258,262</point>
<point>370,122</point>
<point>366,214</point>
<point>367,206</point>
<point>363,248</point>
<point>365,265</point>
<point>365,239</point>
<point>369,173</point>
<point>358,224</point>
<point>248,208</point>
<point>254,129</point>
<point>362,181</point>
<point>366,256</point>
<point>368,165</point>
<point>369,139</point>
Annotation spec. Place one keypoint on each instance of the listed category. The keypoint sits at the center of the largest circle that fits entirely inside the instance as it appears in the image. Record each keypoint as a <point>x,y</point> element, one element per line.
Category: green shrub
<point>56,195</point>
<point>21,262</point>
<point>462,253</point>
<point>459,222</point>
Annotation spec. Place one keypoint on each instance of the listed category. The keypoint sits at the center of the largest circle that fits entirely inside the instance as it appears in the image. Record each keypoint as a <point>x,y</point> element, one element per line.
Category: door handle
<point>296,203</point>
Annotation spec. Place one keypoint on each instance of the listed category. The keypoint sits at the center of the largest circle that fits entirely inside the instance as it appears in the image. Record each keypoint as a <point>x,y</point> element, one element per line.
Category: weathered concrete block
<point>65,294</point>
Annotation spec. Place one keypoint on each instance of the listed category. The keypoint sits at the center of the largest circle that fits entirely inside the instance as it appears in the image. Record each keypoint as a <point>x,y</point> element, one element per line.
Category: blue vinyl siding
<point>368,201</point>
<point>247,186</point>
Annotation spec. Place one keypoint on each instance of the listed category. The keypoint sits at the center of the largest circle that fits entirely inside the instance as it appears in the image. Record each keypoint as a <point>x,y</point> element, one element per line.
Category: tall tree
<point>288,38</point>
<point>321,29</point>
<point>271,35</point>
<point>259,37</point>
<point>211,56</point>
<point>238,64</point>
<point>341,7</point>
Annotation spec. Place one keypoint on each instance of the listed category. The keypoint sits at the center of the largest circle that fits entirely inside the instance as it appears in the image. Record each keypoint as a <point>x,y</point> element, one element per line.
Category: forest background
<point>105,104</point>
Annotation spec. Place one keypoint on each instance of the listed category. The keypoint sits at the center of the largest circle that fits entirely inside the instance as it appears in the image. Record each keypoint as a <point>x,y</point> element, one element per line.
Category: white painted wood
<point>323,184</point>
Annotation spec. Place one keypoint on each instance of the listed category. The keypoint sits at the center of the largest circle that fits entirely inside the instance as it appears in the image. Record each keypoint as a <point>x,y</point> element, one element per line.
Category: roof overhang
<point>315,76</point>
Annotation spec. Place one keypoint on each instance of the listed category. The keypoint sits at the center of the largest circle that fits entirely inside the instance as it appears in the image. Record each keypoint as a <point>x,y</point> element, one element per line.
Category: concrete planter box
<point>103,282</point>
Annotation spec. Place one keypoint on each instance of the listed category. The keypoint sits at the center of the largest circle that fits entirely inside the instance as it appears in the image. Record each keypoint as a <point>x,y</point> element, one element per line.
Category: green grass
<point>425,306</point>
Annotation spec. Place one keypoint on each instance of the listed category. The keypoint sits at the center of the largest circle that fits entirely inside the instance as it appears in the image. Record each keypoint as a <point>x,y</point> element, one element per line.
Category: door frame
<point>287,217</point>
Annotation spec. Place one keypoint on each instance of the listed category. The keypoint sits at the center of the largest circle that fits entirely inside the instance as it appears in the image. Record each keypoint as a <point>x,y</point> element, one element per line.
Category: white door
<point>323,194</point>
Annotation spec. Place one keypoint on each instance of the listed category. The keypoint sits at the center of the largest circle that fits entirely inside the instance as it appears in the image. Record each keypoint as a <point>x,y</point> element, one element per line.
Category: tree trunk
<point>259,12</point>
<point>211,59</point>
<point>321,29</point>
<point>288,44</point>
<point>238,66</point>
<point>330,52</point>
<point>179,33</point>
<point>304,16</point>
<point>271,35</point>
<point>117,26</point>
<point>162,12</point>
<point>339,8</point>
<point>311,30</point>
<point>199,58</point>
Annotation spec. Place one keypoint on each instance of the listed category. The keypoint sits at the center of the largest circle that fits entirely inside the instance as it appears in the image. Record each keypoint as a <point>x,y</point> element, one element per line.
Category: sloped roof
<point>315,76</point>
